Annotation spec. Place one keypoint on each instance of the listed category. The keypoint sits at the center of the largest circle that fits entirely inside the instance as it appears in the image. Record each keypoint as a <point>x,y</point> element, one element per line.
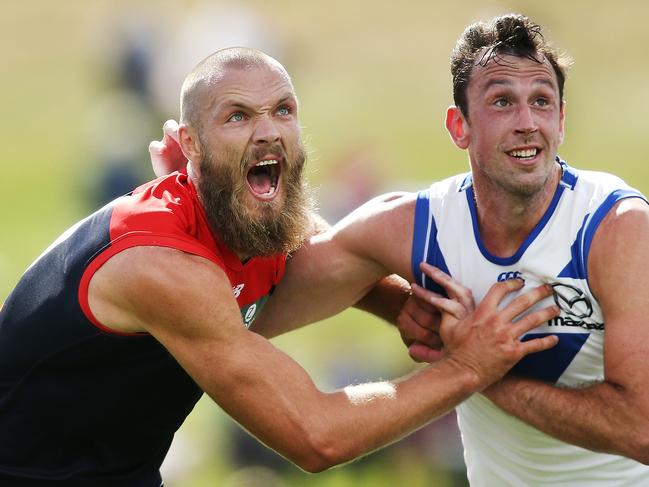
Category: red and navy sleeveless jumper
<point>81,405</point>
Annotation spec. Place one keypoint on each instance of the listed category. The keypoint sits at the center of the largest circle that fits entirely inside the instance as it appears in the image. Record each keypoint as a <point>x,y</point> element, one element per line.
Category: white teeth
<point>266,162</point>
<point>526,153</point>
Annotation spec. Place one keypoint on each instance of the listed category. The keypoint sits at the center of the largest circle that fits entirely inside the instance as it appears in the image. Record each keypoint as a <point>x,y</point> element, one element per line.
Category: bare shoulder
<point>626,221</point>
<point>619,249</point>
<point>626,212</point>
<point>143,288</point>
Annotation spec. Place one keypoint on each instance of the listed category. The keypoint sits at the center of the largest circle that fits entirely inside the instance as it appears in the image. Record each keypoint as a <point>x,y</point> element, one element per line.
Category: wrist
<point>491,391</point>
<point>467,377</point>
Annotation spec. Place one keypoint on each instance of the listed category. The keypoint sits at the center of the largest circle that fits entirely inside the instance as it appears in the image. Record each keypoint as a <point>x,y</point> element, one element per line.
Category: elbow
<point>640,450</point>
<point>638,447</point>
<point>641,455</point>
<point>320,459</point>
<point>315,465</point>
<point>644,459</point>
<point>321,453</point>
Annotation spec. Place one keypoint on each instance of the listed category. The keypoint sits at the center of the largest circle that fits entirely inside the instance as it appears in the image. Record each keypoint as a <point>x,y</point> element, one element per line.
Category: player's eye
<point>283,111</point>
<point>542,102</point>
<point>501,102</point>
<point>236,117</point>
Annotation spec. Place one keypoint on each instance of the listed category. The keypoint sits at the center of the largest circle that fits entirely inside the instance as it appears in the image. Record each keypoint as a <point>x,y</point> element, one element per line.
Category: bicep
<point>321,279</point>
<point>185,302</point>
<point>619,276</point>
<point>336,268</point>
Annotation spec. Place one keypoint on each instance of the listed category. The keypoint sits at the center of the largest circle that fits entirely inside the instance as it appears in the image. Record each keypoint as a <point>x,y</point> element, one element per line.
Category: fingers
<point>170,130</point>
<point>421,353</point>
<point>422,306</point>
<point>534,319</point>
<point>156,152</point>
<point>539,344</point>
<point>169,138</point>
<point>166,154</point>
<point>525,301</point>
<point>498,291</point>
<point>421,312</point>
<point>412,331</point>
<point>451,306</point>
<point>454,289</point>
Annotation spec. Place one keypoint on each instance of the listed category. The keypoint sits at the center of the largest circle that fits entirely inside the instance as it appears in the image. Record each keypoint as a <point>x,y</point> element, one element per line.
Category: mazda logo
<point>572,300</point>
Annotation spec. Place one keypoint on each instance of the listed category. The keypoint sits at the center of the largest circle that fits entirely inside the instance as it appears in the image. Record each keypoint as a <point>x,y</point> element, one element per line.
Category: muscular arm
<point>337,268</point>
<point>612,416</point>
<point>384,300</point>
<point>186,303</point>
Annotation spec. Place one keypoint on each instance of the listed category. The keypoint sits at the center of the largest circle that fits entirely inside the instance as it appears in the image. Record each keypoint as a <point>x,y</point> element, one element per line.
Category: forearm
<point>601,417</point>
<point>386,298</point>
<point>399,408</point>
<point>317,430</point>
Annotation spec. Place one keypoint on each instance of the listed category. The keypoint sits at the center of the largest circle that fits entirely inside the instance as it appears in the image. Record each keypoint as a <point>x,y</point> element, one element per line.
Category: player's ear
<point>562,117</point>
<point>457,126</point>
<point>190,145</point>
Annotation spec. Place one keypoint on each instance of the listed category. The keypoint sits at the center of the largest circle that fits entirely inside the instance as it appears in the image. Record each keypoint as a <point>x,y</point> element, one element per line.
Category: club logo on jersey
<point>576,308</point>
<point>236,290</point>
<point>506,276</point>
<point>248,313</point>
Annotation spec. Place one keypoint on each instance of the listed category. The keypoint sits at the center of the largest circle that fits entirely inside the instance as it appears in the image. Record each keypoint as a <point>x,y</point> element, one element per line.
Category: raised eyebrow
<point>544,82</point>
<point>506,82</point>
<point>497,82</point>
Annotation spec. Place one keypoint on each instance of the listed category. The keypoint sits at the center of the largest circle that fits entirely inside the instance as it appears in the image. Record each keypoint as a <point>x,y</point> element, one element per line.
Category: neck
<point>505,220</point>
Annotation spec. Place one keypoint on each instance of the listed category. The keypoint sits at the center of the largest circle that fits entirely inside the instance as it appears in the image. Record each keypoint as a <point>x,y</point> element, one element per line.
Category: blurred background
<point>85,85</point>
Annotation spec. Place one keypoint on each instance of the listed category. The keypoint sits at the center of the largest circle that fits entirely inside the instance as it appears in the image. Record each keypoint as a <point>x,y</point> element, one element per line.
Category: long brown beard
<point>279,227</point>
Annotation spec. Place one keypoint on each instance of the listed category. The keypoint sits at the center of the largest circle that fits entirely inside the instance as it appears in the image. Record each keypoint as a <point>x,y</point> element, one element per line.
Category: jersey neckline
<point>568,180</point>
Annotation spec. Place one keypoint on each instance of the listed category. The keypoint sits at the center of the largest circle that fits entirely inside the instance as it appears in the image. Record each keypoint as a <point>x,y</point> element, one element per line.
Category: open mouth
<point>524,154</point>
<point>263,179</point>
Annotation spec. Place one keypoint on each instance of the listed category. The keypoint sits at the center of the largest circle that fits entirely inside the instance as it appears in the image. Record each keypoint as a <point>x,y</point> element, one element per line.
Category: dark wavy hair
<point>485,42</point>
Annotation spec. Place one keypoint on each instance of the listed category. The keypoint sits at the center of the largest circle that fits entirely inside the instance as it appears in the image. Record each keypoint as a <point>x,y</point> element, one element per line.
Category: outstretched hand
<point>483,339</point>
<point>487,340</point>
<point>166,154</point>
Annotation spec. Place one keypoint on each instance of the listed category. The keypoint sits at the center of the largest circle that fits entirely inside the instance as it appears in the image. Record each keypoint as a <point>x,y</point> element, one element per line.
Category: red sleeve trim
<point>129,240</point>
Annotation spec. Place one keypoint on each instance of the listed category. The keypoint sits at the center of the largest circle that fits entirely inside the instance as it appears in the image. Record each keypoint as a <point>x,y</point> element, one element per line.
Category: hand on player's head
<point>166,154</point>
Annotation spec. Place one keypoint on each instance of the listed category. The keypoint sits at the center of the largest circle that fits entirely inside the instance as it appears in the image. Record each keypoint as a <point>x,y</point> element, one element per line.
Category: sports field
<point>373,82</point>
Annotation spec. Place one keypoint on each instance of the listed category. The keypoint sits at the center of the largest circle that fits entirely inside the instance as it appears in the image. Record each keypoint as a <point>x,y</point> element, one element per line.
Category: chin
<point>263,209</point>
<point>530,187</point>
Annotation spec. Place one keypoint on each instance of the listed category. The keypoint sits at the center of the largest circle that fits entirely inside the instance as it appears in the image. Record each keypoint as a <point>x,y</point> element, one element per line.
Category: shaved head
<point>240,132</point>
<point>206,75</point>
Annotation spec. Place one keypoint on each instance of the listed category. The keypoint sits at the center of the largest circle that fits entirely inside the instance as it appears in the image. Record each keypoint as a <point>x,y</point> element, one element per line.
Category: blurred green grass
<point>368,73</point>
